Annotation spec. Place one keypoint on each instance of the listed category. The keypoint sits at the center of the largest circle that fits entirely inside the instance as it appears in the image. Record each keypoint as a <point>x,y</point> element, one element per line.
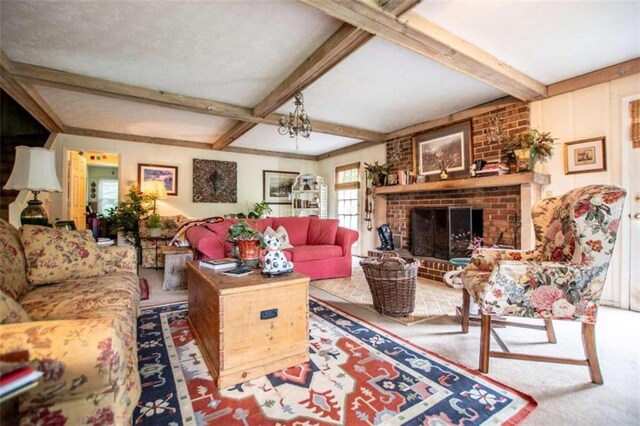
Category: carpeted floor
<point>357,375</point>
<point>433,299</point>
<point>564,393</point>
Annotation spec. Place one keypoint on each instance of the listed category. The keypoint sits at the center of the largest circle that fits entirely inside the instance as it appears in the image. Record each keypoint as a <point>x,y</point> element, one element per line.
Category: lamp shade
<point>154,189</point>
<point>35,170</point>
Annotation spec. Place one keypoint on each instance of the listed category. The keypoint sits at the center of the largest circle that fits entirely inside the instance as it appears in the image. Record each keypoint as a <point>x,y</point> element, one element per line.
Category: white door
<point>77,189</point>
<point>634,228</point>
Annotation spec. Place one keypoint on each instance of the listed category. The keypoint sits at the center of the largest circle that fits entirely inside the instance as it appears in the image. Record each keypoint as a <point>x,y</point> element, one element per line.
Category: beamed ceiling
<point>218,74</point>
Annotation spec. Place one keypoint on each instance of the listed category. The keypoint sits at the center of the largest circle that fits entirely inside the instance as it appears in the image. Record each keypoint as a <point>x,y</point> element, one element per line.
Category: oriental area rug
<point>433,299</point>
<point>358,374</point>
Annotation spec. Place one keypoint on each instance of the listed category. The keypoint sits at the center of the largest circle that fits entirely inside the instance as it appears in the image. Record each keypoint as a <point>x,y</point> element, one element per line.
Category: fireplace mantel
<point>477,182</point>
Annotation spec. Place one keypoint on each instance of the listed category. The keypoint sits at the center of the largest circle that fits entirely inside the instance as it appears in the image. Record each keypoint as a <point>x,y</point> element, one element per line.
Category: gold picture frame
<point>585,156</point>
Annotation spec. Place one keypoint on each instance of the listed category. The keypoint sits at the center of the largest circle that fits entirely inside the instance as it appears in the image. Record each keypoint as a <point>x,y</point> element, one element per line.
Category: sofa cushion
<point>55,255</point>
<point>11,311</point>
<point>322,231</point>
<point>221,230</point>
<point>13,277</point>
<point>306,253</point>
<point>297,228</point>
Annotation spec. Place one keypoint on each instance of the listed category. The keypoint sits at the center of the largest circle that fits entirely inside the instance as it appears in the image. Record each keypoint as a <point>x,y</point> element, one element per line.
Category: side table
<point>175,267</point>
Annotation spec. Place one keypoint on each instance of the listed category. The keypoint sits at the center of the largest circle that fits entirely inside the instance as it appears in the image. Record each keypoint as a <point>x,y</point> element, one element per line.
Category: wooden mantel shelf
<point>468,183</point>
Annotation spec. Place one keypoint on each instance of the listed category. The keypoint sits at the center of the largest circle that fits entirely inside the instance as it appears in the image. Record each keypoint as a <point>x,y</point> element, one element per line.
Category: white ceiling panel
<point>113,115</point>
<point>547,40</point>
<point>233,51</point>
<point>266,137</point>
<point>384,87</point>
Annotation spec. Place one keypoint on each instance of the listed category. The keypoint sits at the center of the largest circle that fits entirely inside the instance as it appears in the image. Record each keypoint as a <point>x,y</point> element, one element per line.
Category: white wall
<point>368,239</point>
<point>250,169</point>
<point>586,113</point>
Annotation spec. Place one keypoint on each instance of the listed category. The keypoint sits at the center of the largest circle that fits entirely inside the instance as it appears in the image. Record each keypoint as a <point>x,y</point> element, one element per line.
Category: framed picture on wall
<point>276,186</point>
<point>446,149</point>
<point>585,156</point>
<point>166,174</point>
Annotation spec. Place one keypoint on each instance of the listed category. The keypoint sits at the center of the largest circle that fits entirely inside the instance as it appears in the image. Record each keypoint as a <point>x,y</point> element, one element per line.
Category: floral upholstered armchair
<point>561,279</point>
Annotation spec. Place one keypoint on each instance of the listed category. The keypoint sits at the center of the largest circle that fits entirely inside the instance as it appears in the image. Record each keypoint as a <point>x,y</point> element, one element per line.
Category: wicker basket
<point>392,282</point>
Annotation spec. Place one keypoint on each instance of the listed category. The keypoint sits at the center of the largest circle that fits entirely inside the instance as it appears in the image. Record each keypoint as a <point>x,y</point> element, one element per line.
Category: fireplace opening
<point>444,232</point>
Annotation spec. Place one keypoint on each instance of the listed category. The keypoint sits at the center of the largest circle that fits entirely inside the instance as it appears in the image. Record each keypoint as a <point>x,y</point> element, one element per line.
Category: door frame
<point>625,225</point>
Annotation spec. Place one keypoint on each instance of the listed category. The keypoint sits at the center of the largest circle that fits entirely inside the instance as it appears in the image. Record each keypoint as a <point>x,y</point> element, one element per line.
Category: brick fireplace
<point>503,204</point>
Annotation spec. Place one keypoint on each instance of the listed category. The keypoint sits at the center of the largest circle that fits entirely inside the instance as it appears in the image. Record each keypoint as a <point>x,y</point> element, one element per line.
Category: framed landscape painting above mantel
<point>276,186</point>
<point>167,174</point>
<point>447,148</point>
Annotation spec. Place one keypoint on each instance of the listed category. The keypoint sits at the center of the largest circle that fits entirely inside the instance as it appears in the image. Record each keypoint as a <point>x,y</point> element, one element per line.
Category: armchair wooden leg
<point>589,342</point>
<point>551,334</point>
<point>466,302</point>
<point>485,342</point>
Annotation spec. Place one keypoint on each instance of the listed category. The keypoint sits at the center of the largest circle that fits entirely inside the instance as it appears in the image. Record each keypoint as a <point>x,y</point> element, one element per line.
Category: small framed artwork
<point>276,186</point>
<point>585,156</point>
<point>447,149</point>
<point>69,225</point>
<point>166,174</point>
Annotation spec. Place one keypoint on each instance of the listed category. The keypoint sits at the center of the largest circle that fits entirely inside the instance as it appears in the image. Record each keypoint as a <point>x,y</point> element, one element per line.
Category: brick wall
<point>500,205</point>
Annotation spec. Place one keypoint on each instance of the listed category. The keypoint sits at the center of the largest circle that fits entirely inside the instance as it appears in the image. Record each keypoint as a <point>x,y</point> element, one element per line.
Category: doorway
<point>91,186</point>
<point>630,226</point>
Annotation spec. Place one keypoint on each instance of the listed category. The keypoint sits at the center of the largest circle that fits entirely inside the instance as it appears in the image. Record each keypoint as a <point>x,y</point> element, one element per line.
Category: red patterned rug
<point>358,375</point>
<point>144,289</point>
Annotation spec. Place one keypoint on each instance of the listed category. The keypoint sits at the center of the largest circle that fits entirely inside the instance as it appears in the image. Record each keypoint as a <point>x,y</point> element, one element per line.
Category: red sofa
<point>321,248</point>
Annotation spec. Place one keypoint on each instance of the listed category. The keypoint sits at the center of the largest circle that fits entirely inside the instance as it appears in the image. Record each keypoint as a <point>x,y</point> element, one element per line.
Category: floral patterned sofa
<point>151,246</point>
<point>73,306</point>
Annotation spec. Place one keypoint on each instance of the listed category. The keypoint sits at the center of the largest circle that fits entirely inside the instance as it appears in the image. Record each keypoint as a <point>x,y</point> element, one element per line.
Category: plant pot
<point>523,158</point>
<point>248,250</point>
<point>155,232</point>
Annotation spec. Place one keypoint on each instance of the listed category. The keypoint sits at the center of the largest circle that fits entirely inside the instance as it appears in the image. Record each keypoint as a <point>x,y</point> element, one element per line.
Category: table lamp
<point>154,189</point>
<point>34,170</point>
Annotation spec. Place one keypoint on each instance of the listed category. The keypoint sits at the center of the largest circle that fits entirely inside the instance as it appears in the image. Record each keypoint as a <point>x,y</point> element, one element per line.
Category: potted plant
<point>155,225</point>
<point>529,148</point>
<point>376,173</point>
<point>248,241</point>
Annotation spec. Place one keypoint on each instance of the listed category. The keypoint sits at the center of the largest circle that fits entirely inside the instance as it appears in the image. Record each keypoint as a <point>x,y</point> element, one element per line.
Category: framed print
<point>276,186</point>
<point>69,225</point>
<point>166,174</point>
<point>446,149</point>
<point>585,156</point>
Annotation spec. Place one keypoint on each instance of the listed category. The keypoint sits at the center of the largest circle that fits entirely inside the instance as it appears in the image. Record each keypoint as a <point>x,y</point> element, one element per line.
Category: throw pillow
<point>13,277</point>
<point>11,311</point>
<point>282,233</point>
<point>322,232</point>
<point>55,255</point>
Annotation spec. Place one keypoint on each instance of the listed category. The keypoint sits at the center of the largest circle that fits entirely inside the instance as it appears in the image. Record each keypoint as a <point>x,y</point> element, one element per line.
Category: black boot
<point>388,237</point>
<point>382,239</point>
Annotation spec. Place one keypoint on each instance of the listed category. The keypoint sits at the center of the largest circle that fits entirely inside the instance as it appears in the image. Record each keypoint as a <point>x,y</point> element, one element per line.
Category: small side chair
<point>562,279</point>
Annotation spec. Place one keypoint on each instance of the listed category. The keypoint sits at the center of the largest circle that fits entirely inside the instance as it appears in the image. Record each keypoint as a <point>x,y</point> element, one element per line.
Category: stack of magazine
<point>220,264</point>
<point>17,381</point>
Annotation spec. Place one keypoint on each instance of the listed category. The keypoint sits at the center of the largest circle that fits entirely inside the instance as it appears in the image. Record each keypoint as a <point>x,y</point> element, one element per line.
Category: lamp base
<point>34,214</point>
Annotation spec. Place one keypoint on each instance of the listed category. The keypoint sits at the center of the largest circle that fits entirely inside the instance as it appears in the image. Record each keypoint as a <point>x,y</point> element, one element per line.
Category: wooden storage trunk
<point>233,323</point>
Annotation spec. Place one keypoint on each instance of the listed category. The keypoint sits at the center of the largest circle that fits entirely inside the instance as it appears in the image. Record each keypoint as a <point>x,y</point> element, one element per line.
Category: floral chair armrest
<point>551,290</point>
<point>119,259</point>
<point>80,359</point>
<point>484,259</point>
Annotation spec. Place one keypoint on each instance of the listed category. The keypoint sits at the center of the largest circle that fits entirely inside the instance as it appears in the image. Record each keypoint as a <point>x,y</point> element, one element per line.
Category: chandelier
<point>297,122</point>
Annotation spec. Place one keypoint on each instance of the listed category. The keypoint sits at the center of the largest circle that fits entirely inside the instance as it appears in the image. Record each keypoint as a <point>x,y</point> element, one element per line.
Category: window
<point>347,197</point>
<point>107,195</point>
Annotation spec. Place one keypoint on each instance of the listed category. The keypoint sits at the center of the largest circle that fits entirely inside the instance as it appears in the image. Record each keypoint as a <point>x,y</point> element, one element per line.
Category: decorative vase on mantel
<point>444,175</point>
<point>523,160</point>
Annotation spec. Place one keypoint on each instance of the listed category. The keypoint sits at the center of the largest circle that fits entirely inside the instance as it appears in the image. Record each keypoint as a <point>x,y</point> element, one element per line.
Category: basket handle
<point>389,255</point>
<point>398,260</point>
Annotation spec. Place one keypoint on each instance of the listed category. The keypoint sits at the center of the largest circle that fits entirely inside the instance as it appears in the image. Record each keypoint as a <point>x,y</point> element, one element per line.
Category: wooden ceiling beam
<point>603,75</point>
<point>346,40</point>
<point>428,39</point>
<point>32,74</point>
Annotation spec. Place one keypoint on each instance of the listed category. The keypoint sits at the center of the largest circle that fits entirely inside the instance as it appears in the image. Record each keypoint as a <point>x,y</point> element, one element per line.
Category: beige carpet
<point>433,299</point>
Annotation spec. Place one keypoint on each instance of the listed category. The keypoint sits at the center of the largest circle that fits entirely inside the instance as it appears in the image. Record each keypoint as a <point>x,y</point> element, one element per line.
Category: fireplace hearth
<point>444,232</point>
